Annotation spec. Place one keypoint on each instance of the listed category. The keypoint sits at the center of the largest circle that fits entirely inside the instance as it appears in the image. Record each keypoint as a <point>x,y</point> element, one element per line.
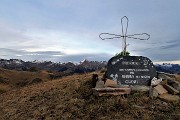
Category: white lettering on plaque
<point>130,81</point>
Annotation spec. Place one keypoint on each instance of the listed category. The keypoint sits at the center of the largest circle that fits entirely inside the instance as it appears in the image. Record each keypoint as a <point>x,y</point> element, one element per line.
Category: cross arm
<point>137,36</point>
<point>111,36</point>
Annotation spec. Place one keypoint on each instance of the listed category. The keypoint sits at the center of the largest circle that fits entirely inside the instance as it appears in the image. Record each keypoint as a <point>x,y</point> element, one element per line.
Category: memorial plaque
<point>131,70</point>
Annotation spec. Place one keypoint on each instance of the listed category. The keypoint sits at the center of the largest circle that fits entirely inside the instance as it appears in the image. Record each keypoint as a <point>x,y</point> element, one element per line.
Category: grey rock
<point>141,88</point>
<point>172,81</point>
<point>99,84</point>
<point>155,81</point>
<point>176,86</point>
<point>155,93</point>
<point>160,89</point>
<point>169,98</point>
<point>171,89</point>
<point>166,76</point>
<point>111,91</point>
<point>110,83</point>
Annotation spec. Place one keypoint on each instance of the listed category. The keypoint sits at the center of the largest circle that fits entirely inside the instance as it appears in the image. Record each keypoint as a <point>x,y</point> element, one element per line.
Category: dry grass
<point>4,88</point>
<point>71,98</point>
<point>21,78</point>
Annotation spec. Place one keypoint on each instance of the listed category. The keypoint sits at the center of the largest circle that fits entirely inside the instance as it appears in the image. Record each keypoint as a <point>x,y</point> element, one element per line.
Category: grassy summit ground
<point>71,98</point>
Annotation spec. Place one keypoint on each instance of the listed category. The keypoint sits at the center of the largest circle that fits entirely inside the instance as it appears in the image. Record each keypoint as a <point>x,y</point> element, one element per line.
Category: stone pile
<point>166,87</point>
<point>105,86</point>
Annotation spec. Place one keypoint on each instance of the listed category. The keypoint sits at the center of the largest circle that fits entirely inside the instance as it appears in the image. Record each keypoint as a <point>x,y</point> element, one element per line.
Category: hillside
<point>71,98</point>
<point>14,79</point>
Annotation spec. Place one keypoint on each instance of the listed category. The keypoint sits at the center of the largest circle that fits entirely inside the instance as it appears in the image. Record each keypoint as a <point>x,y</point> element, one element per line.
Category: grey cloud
<point>55,56</point>
<point>175,45</point>
<point>48,53</point>
<point>160,54</point>
<point>161,50</point>
<point>9,33</point>
<point>14,38</point>
<point>80,57</point>
<point>6,51</point>
<point>171,44</point>
<point>23,52</point>
<point>144,49</point>
<point>25,55</point>
<point>174,41</point>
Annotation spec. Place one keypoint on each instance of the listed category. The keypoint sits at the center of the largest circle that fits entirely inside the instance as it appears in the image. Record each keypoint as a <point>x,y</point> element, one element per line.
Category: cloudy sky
<point>68,30</point>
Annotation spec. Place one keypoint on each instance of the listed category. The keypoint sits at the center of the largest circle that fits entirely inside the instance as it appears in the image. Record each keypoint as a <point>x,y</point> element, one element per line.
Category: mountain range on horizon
<point>81,67</point>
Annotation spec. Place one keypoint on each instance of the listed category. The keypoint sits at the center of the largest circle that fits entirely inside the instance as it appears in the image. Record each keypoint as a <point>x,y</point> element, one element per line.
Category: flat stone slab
<point>99,84</point>
<point>111,91</point>
<point>141,88</point>
<point>110,83</point>
<point>171,89</point>
<point>169,98</point>
<point>160,89</point>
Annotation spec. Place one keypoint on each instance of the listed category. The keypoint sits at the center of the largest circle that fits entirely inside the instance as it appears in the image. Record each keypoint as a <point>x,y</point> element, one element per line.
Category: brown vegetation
<point>71,97</point>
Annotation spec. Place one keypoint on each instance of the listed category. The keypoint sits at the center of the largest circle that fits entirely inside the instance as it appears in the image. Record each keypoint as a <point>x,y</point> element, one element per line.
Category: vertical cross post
<point>124,33</point>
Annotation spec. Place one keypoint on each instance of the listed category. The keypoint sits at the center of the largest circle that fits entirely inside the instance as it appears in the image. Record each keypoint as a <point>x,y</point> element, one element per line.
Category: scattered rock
<point>160,89</point>
<point>141,88</point>
<point>155,81</point>
<point>162,76</point>
<point>166,76</point>
<point>163,82</point>
<point>111,91</point>
<point>155,93</point>
<point>110,83</point>
<point>171,89</point>
<point>94,80</point>
<point>99,84</point>
<point>169,98</point>
<point>176,86</point>
<point>172,81</point>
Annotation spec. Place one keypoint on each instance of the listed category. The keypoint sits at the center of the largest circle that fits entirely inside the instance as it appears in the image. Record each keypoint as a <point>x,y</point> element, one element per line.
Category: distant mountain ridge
<point>81,67</point>
<point>168,68</point>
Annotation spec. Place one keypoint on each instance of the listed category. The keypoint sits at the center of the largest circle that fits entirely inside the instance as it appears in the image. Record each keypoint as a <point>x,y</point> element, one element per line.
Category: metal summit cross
<point>124,35</point>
